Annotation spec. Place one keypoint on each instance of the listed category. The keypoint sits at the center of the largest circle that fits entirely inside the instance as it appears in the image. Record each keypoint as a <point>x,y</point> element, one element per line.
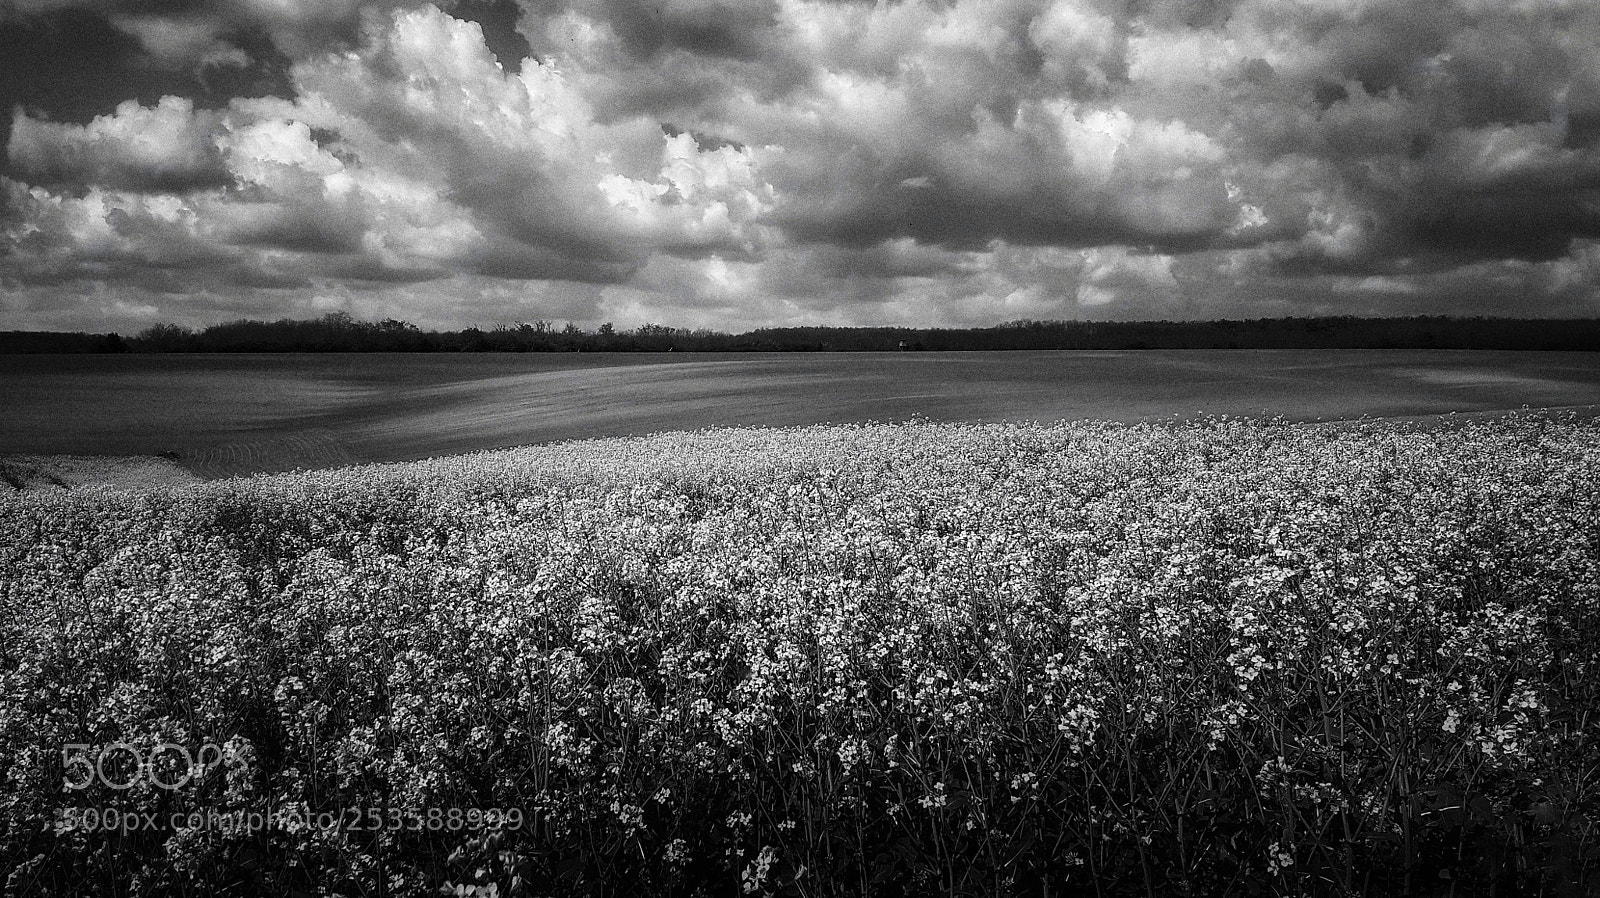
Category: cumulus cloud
<point>960,162</point>
<point>524,154</point>
<point>415,157</point>
<point>164,148</point>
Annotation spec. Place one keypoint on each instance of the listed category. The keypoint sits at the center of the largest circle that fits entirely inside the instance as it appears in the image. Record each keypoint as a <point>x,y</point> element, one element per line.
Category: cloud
<point>184,33</point>
<point>903,280</point>
<point>962,161</point>
<point>524,154</point>
<point>416,157</point>
<point>954,124</point>
<point>1111,275</point>
<point>165,148</point>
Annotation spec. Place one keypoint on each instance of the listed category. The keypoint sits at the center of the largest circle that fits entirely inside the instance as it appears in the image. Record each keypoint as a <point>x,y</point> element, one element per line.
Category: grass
<point>1206,658</point>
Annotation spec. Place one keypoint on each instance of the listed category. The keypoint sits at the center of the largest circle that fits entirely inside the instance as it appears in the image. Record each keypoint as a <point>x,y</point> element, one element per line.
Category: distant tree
<point>164,338</point>
<point>340,332</point>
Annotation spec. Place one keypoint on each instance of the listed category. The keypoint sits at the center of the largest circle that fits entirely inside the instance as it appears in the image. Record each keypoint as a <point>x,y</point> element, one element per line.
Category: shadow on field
<point>241,414</point>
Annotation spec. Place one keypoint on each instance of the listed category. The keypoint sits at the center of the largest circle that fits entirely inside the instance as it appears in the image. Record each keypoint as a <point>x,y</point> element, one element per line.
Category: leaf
<point>884,867</point>
<point>1482,809</point>
<point>1545,813</point>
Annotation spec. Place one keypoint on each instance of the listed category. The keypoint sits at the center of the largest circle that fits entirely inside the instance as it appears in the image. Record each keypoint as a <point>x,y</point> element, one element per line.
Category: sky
<point>735,165</point>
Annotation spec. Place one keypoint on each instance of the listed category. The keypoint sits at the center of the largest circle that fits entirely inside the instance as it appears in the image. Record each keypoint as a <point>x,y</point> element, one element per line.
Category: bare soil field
<point>224,415</point>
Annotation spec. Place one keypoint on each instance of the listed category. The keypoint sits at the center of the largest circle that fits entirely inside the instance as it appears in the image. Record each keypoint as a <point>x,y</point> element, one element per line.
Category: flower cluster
<point>911,658</point>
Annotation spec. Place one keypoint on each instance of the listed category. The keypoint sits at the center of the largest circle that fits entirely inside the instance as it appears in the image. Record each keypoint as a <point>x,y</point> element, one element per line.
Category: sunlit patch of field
<point>1206,658</point>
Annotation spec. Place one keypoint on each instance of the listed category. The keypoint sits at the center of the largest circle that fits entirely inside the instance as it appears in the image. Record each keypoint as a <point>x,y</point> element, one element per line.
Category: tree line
<point>339,332</point>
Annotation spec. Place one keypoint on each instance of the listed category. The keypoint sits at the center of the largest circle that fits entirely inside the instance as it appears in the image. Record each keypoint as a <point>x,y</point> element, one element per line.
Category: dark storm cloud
<point>512,260</point>
<point>368,269</point>
<point>886,259</point>
<point>876,212</point>
<point>737,30</point>
<point>183,33</point>
<point>301,228</point>
<point>1447,130</point>
<point>1534,227</point>
<point>253,276</point>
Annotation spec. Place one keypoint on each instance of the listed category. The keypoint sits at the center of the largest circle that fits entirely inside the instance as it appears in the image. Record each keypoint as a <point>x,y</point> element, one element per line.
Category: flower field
<point>1218,658</point>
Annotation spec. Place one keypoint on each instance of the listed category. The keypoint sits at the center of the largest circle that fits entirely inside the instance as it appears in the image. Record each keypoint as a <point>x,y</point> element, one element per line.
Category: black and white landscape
<point>800,447</point>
